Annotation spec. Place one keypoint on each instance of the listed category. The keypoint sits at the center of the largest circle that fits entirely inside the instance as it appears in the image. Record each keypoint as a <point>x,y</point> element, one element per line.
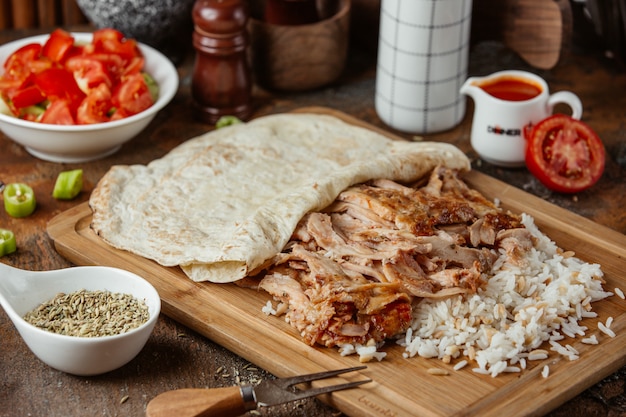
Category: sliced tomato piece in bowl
<point>20,59</point>
<point>59,83</point>
<point>132,95</point>
<point>564,154</point>
<point>113,63</point>
<point>10,87</point>
<point>20,67</point>
<point>95,107</point>
<point>28,96</point>
<point>88,72</point>
<point>112,41</point>
<point>134,66</point>
<point>58,45</point>
<point>58,113</point>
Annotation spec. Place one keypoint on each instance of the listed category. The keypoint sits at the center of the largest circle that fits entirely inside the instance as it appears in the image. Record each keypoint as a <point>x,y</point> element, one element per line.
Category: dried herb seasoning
<point>86,313</point>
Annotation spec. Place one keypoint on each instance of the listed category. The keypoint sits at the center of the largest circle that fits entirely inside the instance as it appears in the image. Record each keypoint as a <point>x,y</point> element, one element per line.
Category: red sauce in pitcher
<point>511,88</point>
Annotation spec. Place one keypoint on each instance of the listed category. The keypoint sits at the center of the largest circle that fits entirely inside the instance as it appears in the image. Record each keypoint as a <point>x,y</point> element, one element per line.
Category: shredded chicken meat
<point>350,273</point>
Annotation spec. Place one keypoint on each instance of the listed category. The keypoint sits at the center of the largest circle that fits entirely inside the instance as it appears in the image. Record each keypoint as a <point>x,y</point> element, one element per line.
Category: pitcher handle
<point>569,98</point>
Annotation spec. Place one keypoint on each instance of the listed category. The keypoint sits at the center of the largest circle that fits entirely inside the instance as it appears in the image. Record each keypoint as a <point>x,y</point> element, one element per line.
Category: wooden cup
<point>300,57</point>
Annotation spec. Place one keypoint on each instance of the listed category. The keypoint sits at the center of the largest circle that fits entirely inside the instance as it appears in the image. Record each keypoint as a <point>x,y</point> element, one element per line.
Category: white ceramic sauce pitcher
<point>505,103</point>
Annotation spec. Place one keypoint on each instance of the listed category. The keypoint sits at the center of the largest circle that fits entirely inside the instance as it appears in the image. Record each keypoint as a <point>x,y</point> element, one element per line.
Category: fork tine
<point>279,391</point>
<point>311,392</point>
<point>288,382</point>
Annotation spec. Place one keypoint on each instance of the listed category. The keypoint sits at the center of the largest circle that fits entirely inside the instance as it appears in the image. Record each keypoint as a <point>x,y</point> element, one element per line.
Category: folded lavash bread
<point>222,204</point>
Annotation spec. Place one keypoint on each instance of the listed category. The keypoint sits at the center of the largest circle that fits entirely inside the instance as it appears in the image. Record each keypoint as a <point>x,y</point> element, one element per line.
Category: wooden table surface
<point>177,357</point>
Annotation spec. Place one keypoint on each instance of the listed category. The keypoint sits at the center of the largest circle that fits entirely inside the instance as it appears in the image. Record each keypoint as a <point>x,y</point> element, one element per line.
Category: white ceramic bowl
<point>80,143</point>
<point>71,354</point>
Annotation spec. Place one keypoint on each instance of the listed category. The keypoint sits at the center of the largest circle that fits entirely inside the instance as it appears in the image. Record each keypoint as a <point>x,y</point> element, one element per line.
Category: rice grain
<point>604,329</point>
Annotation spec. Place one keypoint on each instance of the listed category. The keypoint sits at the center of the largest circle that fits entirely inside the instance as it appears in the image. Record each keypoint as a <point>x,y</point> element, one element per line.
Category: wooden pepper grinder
<point>221,81</point>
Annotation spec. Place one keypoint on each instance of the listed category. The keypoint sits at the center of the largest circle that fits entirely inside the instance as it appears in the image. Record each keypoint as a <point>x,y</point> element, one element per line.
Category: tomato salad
<point>62,82</point>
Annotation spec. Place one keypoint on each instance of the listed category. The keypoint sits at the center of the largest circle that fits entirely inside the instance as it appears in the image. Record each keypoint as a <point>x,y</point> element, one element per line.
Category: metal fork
<point>234,401</point>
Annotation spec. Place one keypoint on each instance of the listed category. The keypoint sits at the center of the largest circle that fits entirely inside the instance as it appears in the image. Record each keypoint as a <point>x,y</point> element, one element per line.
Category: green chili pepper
<point>68,184</point>
<point>19,200</point>
<point>153,87</point>
<point>7,242</point>
<point>227,121</point>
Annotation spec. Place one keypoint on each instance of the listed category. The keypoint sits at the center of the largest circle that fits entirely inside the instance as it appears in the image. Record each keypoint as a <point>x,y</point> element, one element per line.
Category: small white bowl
<point>22,291</point>
<point>81,143</point>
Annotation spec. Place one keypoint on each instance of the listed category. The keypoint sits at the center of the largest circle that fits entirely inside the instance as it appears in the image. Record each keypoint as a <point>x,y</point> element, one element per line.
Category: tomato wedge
<point>113,41</point>
<point>58,113</point>
<point>20,60</point>
<point>19,69</point>
<point>58,45</point>
<point>59,83</point>
<point>564,154</point>
<point>28,96</point>
<point>89,72</point>
<point>19,200</point>
<point>132,95</point>
<point>95,107</point>
<point>7,242</point>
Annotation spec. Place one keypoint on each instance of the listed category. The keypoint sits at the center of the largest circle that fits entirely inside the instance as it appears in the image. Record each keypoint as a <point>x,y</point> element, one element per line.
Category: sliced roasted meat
<point>330,307</point>
<point>350,272</point>
<point>515,242</point>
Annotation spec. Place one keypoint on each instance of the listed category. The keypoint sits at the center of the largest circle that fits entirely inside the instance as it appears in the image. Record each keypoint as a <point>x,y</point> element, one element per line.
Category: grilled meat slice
<point>330,307</point>
<point>350,272</point>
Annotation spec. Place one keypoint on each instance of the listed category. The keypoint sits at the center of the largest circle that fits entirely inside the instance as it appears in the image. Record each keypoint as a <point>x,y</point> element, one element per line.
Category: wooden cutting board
<point>232,317</point>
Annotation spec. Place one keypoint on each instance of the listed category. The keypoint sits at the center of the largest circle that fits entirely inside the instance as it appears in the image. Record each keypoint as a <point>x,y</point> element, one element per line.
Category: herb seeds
<point>89,314</point>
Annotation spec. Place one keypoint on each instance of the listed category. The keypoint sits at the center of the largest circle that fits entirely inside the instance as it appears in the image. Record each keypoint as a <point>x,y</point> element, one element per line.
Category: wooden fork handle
<point>198,402</point>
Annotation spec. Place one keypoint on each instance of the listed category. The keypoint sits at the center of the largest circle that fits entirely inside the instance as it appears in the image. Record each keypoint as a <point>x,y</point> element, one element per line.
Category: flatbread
<point>222,204</point>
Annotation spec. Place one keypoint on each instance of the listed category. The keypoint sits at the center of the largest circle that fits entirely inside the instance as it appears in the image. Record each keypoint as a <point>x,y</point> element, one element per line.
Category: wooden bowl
<point>300,57</point>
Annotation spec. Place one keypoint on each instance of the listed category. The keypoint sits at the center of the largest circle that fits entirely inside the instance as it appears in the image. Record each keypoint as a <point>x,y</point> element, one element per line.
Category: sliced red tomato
<point>113,41</point>
<point>59,83</point>
<point>113,63</point>
<point>20,58</point>
<point>565,154</point>
<point>88,72</point>
<point>132,95</point>
<point>58,113</point>
<point>28,96</point>
<point>58,45</point>
<point>95,107</point>
<point>135,65</point>
<point>9,87</point>
<point>19,68</point>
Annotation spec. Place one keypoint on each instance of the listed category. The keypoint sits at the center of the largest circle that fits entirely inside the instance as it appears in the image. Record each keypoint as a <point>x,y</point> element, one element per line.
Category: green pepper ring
<point>19,200</point>
<point>68,184</point>
<point>7,242</point>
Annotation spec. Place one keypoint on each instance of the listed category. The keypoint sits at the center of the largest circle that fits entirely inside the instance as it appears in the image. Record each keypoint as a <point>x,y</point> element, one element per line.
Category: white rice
<point>268,309</point>
<point>591,340</point>
<point>504,324</point>
<point>604,329</point>
<point>366,352</point>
